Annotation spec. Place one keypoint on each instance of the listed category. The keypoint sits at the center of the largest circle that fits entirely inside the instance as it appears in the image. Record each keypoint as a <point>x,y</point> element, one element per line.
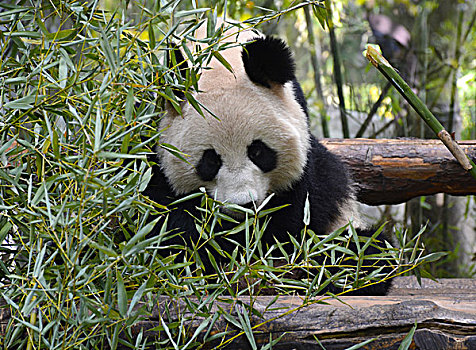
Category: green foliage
<point>82,91</point>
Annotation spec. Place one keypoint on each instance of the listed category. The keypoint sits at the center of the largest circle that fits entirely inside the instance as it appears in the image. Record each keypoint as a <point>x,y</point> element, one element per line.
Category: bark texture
<point>391,171</point>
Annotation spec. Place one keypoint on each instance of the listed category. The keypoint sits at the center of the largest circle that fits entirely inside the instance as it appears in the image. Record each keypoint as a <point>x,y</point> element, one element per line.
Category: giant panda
<point>256,143</point>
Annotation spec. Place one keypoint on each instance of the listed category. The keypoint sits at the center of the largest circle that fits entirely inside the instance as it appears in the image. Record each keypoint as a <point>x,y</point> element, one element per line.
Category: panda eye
<point>262,156</point>
<point>208,166</point>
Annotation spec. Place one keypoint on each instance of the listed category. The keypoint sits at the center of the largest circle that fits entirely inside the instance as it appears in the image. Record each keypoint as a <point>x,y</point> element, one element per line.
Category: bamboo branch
<point>373,110</point>
<point>385,127</point>
<point>402,87</point>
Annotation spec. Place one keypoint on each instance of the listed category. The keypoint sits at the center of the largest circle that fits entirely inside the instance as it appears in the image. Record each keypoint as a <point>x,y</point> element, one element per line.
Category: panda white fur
<point>261,144</point>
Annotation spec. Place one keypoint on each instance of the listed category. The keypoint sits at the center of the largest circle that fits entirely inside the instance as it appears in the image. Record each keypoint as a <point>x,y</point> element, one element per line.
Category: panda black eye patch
<point>262,156</point>
<point>208,166</point>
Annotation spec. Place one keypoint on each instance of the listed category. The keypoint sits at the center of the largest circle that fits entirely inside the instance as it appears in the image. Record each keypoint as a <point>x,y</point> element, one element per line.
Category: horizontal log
<point>445,313</point>
<point>392,171</point>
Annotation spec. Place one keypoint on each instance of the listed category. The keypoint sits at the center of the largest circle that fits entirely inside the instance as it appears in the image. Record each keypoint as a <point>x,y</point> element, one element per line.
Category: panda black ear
<point>268,60</point>
<point>175,58</point>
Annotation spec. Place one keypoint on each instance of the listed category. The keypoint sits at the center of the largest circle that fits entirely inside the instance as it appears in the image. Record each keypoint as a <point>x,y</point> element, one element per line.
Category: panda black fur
<point>260,145</point>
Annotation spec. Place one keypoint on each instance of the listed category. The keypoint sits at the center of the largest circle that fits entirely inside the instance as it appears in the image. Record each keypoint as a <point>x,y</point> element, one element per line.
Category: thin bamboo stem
<point>372,111</point>
<point>374,56</point>
<point>456,69</point>
<point>451,112</point>
<point>337,71</point>
<point>316,67</point>
<point>385,127</point>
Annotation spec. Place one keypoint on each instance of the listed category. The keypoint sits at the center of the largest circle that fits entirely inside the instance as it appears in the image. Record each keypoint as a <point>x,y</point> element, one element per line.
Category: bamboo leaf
<point>223,61</point>
<point>129,105</point>
<point>63,35</point>
<point>63,73</point>
<point>431,257</point>
<point>190,98</point>
<point>108,52</point>
<point>137,296</point>
<point>121,295</point>
<point>140,234</point>
<point>26,102</point>
<point>152,42</point>
<point>246,325</point>
<point>320,13</point>
<point>105,250</point>
<point>98,130</point>
<point>187,13</point>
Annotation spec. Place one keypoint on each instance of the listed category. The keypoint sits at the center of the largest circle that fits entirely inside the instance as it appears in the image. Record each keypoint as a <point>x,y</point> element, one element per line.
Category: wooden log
<point>444,311</point>
<point>392,171</point>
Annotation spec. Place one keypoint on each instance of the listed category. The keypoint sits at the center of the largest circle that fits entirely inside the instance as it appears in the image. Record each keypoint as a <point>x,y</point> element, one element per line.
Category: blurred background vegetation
<point>82,87</point>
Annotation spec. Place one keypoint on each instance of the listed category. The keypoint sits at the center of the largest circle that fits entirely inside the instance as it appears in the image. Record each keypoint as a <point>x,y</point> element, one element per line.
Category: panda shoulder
<point>322,157</point>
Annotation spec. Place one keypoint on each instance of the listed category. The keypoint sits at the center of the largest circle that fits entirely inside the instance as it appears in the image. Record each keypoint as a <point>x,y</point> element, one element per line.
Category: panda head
<point>257,140</point>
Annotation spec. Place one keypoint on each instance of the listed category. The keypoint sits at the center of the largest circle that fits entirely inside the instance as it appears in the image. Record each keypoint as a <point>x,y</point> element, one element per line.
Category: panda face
<point>255,143</point>
<point>257,146</point>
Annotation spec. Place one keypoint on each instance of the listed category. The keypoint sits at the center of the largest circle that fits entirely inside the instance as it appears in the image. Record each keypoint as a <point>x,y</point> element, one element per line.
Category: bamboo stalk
<point>451,113</point>
<point>337,71</point>
<point>316,67</point>
<point>384,67</point>
<point>457,56</point>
